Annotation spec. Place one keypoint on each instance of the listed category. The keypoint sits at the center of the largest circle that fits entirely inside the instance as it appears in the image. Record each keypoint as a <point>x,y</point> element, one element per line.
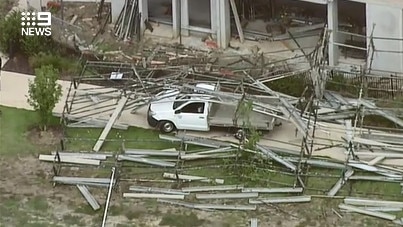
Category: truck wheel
<point>167,127</point>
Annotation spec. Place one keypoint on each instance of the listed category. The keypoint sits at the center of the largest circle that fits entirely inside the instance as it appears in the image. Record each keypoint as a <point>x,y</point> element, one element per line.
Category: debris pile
<point>374,208</point>
<point>128,24</point>
<point>329,130</point>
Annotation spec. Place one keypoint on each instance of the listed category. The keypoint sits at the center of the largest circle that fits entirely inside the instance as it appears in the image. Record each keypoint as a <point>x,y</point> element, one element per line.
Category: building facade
<point>383,22</point>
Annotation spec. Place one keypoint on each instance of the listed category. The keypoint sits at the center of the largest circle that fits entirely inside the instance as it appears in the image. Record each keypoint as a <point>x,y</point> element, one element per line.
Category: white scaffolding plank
<point>253,222</point>
<point>367,212</point>
<point>157,190</point>
<point>212,188</point>
<point>237,20</point>
<point>108,127</point>
<point>370,202</point>
<point>68,159</point>
<point>277,158</point>
<point>273,190</point>
<point>227,195</point>
<point>83,155</point>
<point>376,160</point>
<point>192,178</point>
<point>289,199</point>
<point>88,196</point>
<point>340,182</point>
<point>152,196</point>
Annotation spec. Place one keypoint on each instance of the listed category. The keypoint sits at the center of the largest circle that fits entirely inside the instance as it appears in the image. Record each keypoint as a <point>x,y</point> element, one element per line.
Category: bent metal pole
<point>108,198</point>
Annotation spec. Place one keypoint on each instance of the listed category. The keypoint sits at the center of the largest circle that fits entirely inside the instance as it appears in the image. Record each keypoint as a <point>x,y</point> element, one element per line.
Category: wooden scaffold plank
<point>89,197</point>
<point>108,127</point>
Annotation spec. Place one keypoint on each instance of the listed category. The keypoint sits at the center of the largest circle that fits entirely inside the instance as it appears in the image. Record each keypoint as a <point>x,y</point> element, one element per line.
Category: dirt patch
<point>50,137</point>
<point>19,63</point>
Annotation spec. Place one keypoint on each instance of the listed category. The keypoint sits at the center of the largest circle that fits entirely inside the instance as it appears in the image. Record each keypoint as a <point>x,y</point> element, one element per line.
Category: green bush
<point>31,45</point>
<point>339,83</point>
<point>42,58</point>
<point>294,85</point>
<point>10,38</point>
<point>58,62</point>
<point>12,41</point>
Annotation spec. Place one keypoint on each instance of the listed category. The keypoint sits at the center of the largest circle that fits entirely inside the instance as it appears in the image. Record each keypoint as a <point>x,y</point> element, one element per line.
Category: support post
<point>116,8</point>
<point>224,28</point>
<point>184,4</point>
<point>214,16</point>
<point>143,10</point>
<point>176,18</point>
<point>333,24</point>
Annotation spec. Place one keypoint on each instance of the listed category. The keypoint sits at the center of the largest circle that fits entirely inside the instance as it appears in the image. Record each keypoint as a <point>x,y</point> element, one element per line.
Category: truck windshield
<point>180,100</point>
<point>177,104</point>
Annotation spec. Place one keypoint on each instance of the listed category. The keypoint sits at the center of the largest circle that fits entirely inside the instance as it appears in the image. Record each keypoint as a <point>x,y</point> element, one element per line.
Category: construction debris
<point>69,159</point>
<point>303,130</point>
<point>158,190</point>
<point>212,188</point>
<point>227,195</point>
<point>253,222</point>
<point>88,196</point>
<point>152,196</point>
<point>101,182</point>
<point>291,199</point>
<point>373,203</point>
<point>108,198</point>
<point>210,206</point>
<point>386,216</point>
<point>340,182</point>
<point>146,161</point>
<point>192,178</point>
<point>273,190</point>
<point>128,24</point>
<point>108,127</point>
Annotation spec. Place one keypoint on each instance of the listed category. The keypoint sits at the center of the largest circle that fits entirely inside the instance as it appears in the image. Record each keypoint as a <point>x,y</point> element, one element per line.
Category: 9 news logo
<point>36,23</point>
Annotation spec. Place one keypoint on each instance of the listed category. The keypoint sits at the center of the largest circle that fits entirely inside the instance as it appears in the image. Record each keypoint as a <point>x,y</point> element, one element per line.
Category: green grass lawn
<point>15,125</point>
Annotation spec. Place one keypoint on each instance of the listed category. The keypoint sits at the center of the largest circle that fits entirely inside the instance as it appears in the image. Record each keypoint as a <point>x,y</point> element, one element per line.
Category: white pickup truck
<point>199,112</point>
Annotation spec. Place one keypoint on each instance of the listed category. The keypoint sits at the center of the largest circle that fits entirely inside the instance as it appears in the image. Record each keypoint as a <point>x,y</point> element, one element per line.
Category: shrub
<point>10,38</point>
<point>43,93</point>
<point>293,86</point>
<point>31,45</point>
<point>43,58</point>
<point>12,41</point>
<point>61,64</point>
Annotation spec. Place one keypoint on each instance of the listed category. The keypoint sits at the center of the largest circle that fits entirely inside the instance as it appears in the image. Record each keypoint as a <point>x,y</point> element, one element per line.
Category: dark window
<point>178,104</point>
<point>179,101</point>
<point>196,107</point>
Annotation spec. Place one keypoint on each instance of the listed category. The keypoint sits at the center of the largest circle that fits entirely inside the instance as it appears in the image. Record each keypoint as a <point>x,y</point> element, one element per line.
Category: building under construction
<point>230,22</point>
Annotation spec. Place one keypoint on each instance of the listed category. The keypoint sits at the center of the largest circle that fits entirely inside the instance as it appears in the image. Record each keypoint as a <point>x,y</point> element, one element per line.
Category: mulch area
<point>19,63</point>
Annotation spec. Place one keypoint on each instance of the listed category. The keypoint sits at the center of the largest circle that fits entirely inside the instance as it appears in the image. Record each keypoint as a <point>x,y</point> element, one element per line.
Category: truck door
<point>192,116</point>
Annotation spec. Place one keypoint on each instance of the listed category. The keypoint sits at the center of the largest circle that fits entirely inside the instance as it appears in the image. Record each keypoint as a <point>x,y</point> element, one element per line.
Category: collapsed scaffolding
<point>124,89</point>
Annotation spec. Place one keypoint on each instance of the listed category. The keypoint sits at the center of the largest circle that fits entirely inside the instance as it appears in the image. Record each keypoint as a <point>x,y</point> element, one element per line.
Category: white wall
<point>388,23</point>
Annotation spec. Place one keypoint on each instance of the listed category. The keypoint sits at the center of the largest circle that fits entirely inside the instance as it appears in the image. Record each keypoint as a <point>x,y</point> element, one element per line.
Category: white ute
<point>198,112</point>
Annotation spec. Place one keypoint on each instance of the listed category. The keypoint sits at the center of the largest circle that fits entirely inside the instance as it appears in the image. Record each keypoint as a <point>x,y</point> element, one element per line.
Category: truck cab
<point>182,111</point>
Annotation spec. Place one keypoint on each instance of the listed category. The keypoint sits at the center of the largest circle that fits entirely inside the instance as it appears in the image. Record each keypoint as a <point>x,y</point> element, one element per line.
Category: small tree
<point>44,92</point>
<point>10,33</point>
